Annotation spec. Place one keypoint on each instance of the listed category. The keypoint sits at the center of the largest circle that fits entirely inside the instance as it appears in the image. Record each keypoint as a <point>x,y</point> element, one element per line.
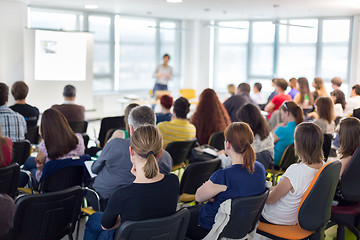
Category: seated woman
<point>338,98</point>
<point>324,115</point>
<point>59,142</point>
<point>166,102</point>
<point>282,204</point>
<point>319,86</point>
<point>6,150</point>
<point>304,99</point>
<point>291,115</point>
<point>151,195</point>
<point>245,177</point>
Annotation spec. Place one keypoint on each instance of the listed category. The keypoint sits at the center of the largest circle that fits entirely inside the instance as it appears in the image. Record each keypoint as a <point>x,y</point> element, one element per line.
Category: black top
<point>30,113</point>
<point>235,102</point>
<point>141,201</point>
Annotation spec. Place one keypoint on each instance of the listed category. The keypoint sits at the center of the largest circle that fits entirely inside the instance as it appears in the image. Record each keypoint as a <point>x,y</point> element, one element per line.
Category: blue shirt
<point>239,182</point>
<point>286,137</point>
<point>293,93</point>
<point>163,117</point>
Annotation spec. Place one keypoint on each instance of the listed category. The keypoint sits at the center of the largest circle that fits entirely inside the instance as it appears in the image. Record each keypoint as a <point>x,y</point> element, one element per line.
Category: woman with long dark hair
<point>305,98</point>
<point>338,98</point>
<point>319,86</point>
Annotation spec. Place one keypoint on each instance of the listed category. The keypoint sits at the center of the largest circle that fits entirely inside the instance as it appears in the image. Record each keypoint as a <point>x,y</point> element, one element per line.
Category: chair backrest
<point>245,212</point>
<point>179,150</point>
<point>79,127</point>
<point>20,152</point>
<point>315,206</point>
<point>217,140</point>
<point>33,135</point>
<point>349,180</point>
<point>47,215</point>
<point>327,145</point>
<point>9,179</point>
<point>109,123</point>
<point>170,228</point>
<point>288,157</point>
<point>196,174</point>
<point>188,93</point>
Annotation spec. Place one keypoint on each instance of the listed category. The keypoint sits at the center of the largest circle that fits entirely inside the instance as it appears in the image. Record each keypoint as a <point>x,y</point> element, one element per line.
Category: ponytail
<point>249,158</point>
<point>294,110</point>
<point>151,168</point>
<point>299,115</point>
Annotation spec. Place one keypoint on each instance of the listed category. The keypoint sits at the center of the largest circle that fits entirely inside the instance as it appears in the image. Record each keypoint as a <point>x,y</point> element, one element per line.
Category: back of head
<point>340,97</point>
<point>181,107</point>
<point>126,115</point>
<point>69,91</point>
<point>4,93</point>
<point>356,88</point>
<point>147,143</point>
<point>258,86</point>
<point>19,90</point>
<point>166,101</point>
<point>240,137</point>
<point>319,83</point>
<point>336,81</point>
<point>308,141</point>
<point>282,84</point>
<point>294,110</point>
<point>140,116</point>
<point>251,115</point>
<point>305,90</point>
<point>244,88</point>
<point>325,108</point>
<point>57,134</point>
<point>349,139</point>
<point>292,82</point>
<point>231,89</point>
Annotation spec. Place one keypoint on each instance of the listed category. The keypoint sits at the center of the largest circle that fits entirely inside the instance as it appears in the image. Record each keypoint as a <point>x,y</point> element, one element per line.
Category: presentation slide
<point>60,56</point>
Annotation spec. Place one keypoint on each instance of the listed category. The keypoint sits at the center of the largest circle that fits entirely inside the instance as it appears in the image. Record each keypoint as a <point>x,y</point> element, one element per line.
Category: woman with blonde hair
<point>319,86</point>
<point>151,195</point>
<point>6,150</point>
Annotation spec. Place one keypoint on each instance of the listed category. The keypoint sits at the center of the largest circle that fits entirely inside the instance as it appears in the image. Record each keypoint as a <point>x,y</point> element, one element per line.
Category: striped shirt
<point>13,124</point>
<point>176,130</point>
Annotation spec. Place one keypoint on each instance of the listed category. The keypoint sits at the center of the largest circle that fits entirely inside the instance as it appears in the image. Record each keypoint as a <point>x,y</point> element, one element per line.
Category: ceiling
<point>214,9</point>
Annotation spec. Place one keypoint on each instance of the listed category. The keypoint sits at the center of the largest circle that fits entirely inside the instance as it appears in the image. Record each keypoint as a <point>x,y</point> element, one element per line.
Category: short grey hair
<point>141,115</point>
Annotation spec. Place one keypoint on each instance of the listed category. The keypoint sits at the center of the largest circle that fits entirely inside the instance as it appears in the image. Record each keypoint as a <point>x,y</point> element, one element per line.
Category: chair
<point>327,145</point>
<point>245,213</point>
<point>306,111</point>
<point>217,140</point>
<point>194,176</point>
<point>170,228</point>
<point>33,135</point>
<point>188,93</point>
<point>79,127</point>
<point>47,216</point>
<point>110,123</point>
<point>314,210</point>
<point>20,152</point>
<point>9,179</point>
<point>349,188</point>
<point>179,151</point>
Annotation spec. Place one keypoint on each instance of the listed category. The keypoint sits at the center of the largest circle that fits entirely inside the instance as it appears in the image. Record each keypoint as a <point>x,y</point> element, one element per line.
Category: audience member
<point>245,177</point>
<point>6,150</point>
<point>59,142</point>
<point>13,125</point>
<point>283,202</point>
<point>336,83</point>
<point>71,111</point>
<point>354,101</point>
<point>235,102</point>
<point>20,90</point>
<point>7,210</point>
<point>257,95</point>
<point>319,86</point>
<point>179,128</point>
<point>166,102</point>
<point>292,115</point>
<point>231,89</point>
<point>304,99</point>
<point>294,87</point>
<point>150,195</point>
<point>274,93</point>
<point>113,167</point>
<point>324,115</point>
<point>275,103</point>
<point>209,117</point>
<point>338,98</point>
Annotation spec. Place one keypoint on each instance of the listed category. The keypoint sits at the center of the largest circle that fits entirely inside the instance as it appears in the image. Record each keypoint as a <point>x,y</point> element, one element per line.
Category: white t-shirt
<point>165,71</point>
<point>338,110</point>
<point>284,211</point>
<point>351,104</point>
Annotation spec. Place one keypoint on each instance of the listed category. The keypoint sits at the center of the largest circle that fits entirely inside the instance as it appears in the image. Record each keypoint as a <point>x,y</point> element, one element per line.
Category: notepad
<point>210,151</point>
<point>88,165</point>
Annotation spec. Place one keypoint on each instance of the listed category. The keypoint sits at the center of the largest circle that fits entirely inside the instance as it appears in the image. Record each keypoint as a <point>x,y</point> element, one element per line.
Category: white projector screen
<point>60,56</point>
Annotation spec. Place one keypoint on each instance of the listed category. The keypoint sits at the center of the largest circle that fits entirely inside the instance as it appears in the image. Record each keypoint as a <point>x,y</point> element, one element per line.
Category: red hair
<point>210,116</point>
<point>166,101</point>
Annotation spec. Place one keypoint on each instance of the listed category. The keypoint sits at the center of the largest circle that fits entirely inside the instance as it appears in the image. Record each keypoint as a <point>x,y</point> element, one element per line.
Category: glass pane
<point>101,58</point>
<point>53,20</point>
<point>298,34</point>
<point>262,60</point>
<point>336,30</point>
<point>101,26</point>
<point>334,61</point>
<point>103,84</point>
<point>137,30</point>
<point>233,35</point>
<point>263,32</point>
<point>297,62</point>
<point>230,66</point>
<point>167,31</point>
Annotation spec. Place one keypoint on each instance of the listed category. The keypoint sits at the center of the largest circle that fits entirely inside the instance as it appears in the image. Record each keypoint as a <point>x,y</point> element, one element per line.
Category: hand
<point>211,199</point>
<point>159,75</point>
<point>221,152</point>
<point>168,76</point>
<point>39,165</point>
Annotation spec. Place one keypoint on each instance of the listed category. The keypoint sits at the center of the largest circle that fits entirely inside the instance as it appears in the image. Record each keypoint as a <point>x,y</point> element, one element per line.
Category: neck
<point>236,158</point>
<point>22,101</point>
<point>140,177</point>
<point>165,111</point>
<point>315,165</point>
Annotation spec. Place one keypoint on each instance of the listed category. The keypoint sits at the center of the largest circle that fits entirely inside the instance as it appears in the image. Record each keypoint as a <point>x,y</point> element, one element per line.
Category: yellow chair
<point>188,93</point>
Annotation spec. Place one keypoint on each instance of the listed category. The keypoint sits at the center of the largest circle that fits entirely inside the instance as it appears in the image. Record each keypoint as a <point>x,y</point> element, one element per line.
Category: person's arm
<point>208,190</point>
<point>269,107</point>
<point>117,224</point>
<point>100,162</point>
<point>170,75</point>
<point>117,134</point>
<point>276,138</point>
<point>279,191</point>
<point>40,160</point>
<point>297,99</point>
<point>111,217</point>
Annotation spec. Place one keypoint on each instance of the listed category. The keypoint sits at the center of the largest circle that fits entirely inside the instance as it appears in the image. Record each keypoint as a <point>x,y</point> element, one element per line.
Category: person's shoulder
<point>172,178</point>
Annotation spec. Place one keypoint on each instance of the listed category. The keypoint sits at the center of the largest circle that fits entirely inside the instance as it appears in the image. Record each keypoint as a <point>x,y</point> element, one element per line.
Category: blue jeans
<point>94,231</point>
<point>29,165</point>
<point>159,86</point>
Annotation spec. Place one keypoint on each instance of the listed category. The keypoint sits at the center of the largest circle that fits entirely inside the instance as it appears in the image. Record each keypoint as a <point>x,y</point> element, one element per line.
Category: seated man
<point>13,125</point>
<point>20,90</point>
<point>179,128</point>
<point>276,102</point>
<point>113,166</point>
<point>353,102</point>
<point>71,111</point>
<point>166,102</point>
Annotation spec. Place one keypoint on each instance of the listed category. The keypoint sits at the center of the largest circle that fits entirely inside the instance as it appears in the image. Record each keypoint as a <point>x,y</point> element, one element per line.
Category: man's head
<point>166,58</point>
<point>19,90</point>
<point>355,91</point>
<point>257,87</point>
<point>4,93</point>
<point>281,85</point>
<point>243,88</point>
<point>69,92</point>
<point>139,116</point>
<point>336,83</point>
<point>181,107</point>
